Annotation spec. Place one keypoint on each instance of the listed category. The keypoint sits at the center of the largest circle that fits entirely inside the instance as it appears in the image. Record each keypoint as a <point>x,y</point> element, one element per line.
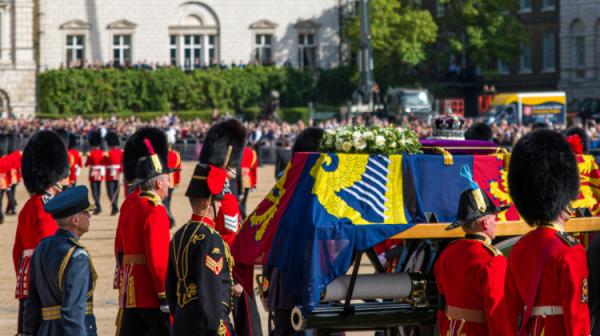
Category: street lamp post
<point>366,54</point>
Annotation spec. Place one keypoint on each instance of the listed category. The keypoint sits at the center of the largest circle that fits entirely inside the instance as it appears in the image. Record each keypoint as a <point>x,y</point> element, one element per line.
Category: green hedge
<point>87,92</point>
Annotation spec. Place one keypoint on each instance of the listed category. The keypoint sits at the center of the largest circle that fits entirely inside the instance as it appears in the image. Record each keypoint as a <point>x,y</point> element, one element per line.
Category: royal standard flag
<point>328,207</point>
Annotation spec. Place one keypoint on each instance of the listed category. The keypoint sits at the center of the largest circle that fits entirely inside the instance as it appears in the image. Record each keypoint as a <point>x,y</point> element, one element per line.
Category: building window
<point>549,5</point>
<point>549,56</point>
<point>122,49</point>
<point>525,57</point>
<point>307,50</point>
<point>173,49</point>
<point>262,48</point>
<point>580,51</point>
<point>192,51</point>
<point>524,6</point>
<point>502,67</point>
<point>75,48</point>
<point>212,49</point>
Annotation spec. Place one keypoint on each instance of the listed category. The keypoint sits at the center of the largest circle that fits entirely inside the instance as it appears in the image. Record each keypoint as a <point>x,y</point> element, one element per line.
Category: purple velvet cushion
<point>461,147</point>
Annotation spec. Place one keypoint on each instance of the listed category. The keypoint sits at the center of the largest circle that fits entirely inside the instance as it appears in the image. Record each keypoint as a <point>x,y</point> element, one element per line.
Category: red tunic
<point>249,168</point>
<point>143,239</point>
<point>5,178</point>
<point>470,275</point>
<point>112,161</point>
<point>563,284</point>
<point>174,163</point>
<point>34,224</point>
<point>17,157</point>
<point>95,160</point>
<point>75,164</point>
<point>228,218</point>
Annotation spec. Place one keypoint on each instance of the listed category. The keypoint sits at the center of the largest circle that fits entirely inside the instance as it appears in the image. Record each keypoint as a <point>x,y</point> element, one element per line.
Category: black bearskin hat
<point>209,176</point>
<point>220,136</point>
<point>582,135</point>
<point>135,149</point>
<point>95,139</point>
<point>543,177</point>
<point>72,141</point>
<point>112,139</point>
<point>45,161</point>
<point>479,131</point>
<point>308,140</point>
<point>64,135</point>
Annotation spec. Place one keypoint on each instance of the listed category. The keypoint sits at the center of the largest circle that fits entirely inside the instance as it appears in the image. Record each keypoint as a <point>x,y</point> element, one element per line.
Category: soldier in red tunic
<point>112,162</point>
<point>199,280</point>
<point>142,239</point>
<point>95,160</point>
<point>44,165</point>
<point>249,170</point>
<point>77,162</point>
<point>546,279</point>
<point>174,163</point>
<point>15,173</point>
<point>470,272</point>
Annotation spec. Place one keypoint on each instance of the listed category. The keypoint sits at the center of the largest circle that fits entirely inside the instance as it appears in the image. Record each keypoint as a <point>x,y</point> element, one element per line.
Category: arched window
<point>194,37</point>
<point>578,46</point>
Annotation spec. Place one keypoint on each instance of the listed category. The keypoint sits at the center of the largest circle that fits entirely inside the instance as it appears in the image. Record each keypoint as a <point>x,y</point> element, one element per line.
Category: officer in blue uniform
<point>62,277</point>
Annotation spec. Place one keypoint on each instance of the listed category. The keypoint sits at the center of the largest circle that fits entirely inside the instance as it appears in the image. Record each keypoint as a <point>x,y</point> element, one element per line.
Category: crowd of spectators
<point>260,133</point>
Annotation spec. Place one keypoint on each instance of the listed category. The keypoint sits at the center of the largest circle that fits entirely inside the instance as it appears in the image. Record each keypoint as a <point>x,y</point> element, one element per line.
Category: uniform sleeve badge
<point>216,266</point>
<point>584,290</point>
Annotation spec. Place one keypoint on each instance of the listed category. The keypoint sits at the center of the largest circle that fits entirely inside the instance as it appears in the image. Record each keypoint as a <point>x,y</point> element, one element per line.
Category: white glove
<point>165,309</point>
<point>382,259</point>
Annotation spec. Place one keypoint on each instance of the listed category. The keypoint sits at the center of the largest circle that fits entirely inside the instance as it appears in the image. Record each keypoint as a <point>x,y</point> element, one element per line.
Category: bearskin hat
<point>135,149</point>
<point>308,140</point>
<point>210,174</point>
<point>582,136</point>
<point>543,177</point>
<point>219,137</point>
<point>112,139</point>
<point>45,161</point>
<point>479,131</point>
<point>72,141</point>
<point>64,135</point>
<point>95,139</point>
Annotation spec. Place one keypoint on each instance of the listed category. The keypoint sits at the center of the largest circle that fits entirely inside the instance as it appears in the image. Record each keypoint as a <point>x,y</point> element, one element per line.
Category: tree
<point>477,33</point>
<point>400,34</point>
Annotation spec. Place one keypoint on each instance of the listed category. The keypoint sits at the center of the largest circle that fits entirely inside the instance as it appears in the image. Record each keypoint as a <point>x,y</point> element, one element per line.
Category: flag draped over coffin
<point>326,207</point>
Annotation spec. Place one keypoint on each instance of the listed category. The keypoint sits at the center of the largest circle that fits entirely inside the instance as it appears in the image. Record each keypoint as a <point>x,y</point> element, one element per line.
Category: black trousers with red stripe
<point>246,320</point>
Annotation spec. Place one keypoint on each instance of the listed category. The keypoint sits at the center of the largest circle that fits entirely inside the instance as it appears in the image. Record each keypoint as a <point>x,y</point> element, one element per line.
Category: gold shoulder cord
<point>63,265</point>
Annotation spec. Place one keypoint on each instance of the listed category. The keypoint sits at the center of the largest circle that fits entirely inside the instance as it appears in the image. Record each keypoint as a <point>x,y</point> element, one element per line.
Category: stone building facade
<point>580,48</point>
<point>17,63</point>
<point>189,33</point>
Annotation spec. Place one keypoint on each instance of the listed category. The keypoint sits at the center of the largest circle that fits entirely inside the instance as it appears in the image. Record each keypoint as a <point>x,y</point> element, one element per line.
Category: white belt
<point>28,252</point>
<point>113,166</point>
<point>547,311</point>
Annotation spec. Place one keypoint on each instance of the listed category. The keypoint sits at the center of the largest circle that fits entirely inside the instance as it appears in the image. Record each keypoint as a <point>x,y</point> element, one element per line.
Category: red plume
<point>575,143</point>
<point>149,146</point>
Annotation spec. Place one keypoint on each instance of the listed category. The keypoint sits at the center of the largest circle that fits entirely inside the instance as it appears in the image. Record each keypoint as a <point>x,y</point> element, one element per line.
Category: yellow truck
<point>529,108</point>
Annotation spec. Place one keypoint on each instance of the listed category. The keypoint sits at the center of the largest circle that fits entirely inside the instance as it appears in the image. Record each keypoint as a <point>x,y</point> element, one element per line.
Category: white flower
<point>360,143</point>
<point>393,145</point>
<point>346,146</point>
<point>356,135</point>
<point>338,144</point>
<point>330,131</point>
<point>368,135</point>
<point>379,141</point>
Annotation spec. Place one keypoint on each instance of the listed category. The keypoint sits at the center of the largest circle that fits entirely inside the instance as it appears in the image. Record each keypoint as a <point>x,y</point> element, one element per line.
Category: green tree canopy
<point>400,34</point>
<point>479,32</point>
